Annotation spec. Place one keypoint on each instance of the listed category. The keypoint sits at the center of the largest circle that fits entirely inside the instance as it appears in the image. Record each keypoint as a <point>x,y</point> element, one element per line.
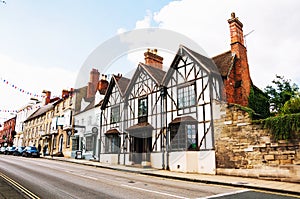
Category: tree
<point>291,106</point>
<point>280,92</point>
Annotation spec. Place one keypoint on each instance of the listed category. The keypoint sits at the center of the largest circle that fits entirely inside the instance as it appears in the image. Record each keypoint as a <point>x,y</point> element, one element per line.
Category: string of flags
<point>16,111</point>
<point>17,88</point>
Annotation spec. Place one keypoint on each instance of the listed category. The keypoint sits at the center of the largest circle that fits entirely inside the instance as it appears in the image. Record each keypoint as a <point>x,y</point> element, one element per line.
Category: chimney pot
<point>152,59</point>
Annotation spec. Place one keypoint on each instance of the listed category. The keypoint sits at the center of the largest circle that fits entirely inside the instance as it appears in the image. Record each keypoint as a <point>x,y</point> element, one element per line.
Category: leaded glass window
<point>183,136</point>
<point>115,114</point>
<point>186,96</point>
<point>112,144</point>
<point>143,110</point>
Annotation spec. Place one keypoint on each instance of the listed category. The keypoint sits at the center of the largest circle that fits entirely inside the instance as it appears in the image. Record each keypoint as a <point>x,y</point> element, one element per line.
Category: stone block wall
<point>240,144</point>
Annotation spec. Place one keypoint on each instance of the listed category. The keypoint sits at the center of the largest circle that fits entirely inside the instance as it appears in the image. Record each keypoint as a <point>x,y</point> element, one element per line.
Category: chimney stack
<point>65,94</point>
<point>93,83</point>
<point>242,80</point>
<point>152,59</point>
<point>46,99</point>
<point>103,84</point>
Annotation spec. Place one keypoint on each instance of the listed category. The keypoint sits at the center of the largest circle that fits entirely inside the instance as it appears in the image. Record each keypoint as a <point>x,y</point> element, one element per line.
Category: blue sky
<point>43,44</point>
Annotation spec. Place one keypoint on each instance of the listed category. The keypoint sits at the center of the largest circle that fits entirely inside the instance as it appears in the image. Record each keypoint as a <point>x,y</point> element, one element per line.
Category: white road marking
<point>157,192</point>
<point>81,175</point>
<point>225,194</point>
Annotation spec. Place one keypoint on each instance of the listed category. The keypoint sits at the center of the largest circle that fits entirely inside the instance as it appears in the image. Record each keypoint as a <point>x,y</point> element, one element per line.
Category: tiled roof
<point>140,127</point>
<point>224,62</point>
<point>204,61</point>
<point>112,131</point>
<point>156,73</point>
<point>123,83</point>
<point>183,119</point>
<point>42,110</point>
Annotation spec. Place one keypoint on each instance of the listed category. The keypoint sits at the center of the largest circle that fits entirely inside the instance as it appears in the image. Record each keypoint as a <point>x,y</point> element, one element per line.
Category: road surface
<point>42,178</point>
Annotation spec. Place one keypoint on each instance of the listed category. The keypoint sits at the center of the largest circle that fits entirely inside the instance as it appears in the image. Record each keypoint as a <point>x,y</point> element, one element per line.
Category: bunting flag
<point>17,88</point>
<point>16,111</point>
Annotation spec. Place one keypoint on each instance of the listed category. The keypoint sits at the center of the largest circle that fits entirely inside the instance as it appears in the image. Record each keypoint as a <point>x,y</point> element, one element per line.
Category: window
<point>115,114</point>
<point>54,142</point>
<point>143,110</point>
<point>186,96</point>
<point>89,143</point>
<point>112,143</point>
<point>69,133</point>
<point>183,136</point>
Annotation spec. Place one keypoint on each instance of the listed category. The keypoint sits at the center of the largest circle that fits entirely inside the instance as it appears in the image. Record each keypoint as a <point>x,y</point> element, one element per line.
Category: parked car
<point>19,150</point>
<point>31,151</point>
<point>2,150</point>
<point>10,150</point>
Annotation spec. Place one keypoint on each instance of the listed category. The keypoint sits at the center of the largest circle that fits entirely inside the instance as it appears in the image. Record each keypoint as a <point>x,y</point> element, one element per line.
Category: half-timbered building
<point>192,84</point>
<point>112,130</point>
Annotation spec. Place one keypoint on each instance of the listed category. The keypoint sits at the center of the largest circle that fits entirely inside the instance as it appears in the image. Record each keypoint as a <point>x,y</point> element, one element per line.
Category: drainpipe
<point>162,125</point>
<point>100,138</point>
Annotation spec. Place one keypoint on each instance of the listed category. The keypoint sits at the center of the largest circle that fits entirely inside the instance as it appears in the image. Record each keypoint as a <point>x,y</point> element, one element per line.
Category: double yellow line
<point>19,187</point>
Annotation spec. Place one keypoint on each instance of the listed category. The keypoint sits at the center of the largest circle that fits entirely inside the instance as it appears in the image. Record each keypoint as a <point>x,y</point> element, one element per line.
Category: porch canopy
<point>141,130</point>
<point>185,119</point>
<point>112,132</point>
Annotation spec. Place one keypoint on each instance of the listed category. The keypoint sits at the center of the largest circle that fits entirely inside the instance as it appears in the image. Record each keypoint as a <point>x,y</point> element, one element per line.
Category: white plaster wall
<point>156,160</point>
<point>109,158</point>
<point>177,161</point>
<point>193,162</point>
<point>207,162</point>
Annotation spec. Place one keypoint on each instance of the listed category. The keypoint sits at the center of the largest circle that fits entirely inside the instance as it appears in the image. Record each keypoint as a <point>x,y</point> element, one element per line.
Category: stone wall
<point>240,144</point>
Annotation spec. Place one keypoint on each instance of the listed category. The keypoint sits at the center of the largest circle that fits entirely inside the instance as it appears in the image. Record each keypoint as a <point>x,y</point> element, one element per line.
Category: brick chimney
<point>65,94</point>
<point>93,83</point>
<point>241,75</point>
<point>103,84</point>
<point>152,59</point>
<point>47,97</point>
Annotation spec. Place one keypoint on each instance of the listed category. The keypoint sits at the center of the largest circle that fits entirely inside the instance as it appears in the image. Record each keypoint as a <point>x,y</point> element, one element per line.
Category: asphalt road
<point>42,178</point>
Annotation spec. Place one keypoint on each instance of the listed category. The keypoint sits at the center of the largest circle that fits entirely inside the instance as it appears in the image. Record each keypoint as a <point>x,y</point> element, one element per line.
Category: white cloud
<point>33,79</point>
<point>146,22</point>
<point>121,30</point>
<point>273,47</point>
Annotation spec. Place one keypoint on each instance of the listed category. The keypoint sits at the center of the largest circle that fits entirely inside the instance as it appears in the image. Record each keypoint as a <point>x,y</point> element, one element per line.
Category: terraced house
<point>164,119</point>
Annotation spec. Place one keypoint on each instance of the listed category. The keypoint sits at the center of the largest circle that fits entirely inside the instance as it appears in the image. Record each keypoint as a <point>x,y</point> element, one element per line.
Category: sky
<point>43,44</point>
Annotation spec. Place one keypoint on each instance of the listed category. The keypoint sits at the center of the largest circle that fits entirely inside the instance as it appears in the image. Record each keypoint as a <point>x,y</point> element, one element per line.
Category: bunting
<point>19,89</point>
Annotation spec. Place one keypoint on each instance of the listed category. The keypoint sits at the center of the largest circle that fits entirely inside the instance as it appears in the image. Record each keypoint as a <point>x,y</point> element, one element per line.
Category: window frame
<point>112,114</point>
<point>188,101</point>
<point>180,135</point>
<point>112,143</point>
<point>143,111</point>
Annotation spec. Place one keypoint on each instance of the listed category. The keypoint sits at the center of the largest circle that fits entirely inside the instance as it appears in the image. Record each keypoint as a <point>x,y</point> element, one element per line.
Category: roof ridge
<point>221,54</point>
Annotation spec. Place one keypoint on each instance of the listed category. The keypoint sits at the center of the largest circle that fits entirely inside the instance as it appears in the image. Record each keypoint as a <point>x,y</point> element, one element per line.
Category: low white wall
<point>207,162</point>
<point>109,158</point>
<point>156,160</point>
<point>193,162</point>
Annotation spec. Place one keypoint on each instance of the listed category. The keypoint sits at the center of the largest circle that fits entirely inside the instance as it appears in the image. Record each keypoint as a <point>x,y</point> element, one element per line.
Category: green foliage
<point>280,92</point>
<point>291,106</point>
<point>284,127</point>
<point>259,103</point>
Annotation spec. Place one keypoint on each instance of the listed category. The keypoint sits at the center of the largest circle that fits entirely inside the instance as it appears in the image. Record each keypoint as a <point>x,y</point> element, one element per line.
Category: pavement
<point>243,182</point>
<point>7,191</point>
